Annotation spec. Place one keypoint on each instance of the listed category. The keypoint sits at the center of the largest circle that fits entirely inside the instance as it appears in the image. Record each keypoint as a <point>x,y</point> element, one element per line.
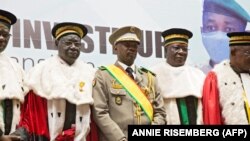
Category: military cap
<point>64,28</point>
<point>127,33</point>
<point>176,35</point>
<point>226,7</point>
<point>7,18</point>
<point>239,38</point>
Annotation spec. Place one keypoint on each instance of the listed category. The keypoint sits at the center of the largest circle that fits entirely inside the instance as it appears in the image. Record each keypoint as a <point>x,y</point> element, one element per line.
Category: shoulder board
<point>101,68</point>
<point>146,70</point>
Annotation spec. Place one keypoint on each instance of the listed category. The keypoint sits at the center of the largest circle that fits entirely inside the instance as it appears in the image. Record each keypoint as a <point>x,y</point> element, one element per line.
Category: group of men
<point>63,98</point>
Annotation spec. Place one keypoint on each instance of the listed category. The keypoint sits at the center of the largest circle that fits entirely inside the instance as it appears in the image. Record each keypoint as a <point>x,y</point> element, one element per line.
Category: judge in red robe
<point>57,106</point>
<point>12,90</point>
<point>226,91</point>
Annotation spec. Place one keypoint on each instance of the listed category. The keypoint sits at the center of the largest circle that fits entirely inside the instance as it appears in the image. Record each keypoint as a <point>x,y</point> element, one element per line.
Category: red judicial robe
<point>223,96</point>
<point>34,120</point>
<point>55,88</point>
<point>210,100</point>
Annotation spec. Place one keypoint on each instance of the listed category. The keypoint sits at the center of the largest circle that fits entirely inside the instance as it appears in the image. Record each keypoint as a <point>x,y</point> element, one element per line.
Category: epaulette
<point>146,70</point>
<point>101,68</point>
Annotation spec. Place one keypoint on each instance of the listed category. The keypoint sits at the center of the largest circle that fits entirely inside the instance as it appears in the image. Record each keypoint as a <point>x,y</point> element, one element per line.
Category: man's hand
<point>10,138</point>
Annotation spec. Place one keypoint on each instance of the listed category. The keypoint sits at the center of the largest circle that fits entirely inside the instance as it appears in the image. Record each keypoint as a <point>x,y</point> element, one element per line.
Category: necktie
<point>129,70</point>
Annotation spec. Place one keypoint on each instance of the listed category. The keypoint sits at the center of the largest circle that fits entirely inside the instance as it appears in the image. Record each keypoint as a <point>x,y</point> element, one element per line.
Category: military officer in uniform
<point>124,93</point>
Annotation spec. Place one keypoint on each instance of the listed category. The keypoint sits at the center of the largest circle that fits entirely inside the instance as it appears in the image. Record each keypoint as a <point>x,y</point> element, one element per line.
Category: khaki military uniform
<point>114,109</point>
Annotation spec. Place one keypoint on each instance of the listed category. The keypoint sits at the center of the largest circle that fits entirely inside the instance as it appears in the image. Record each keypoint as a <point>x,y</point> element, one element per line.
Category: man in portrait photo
<point>218,18</point>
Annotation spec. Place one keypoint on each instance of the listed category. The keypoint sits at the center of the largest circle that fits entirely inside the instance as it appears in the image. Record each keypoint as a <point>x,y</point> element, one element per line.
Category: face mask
<point>217,45</point>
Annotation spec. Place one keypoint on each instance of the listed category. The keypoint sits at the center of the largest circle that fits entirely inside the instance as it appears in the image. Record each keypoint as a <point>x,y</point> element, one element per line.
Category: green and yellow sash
<point>132,88</point>
<point>247,106</point>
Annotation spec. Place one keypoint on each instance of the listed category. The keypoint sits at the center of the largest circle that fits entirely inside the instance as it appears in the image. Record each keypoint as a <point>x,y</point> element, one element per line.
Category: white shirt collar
<point>125,66</point>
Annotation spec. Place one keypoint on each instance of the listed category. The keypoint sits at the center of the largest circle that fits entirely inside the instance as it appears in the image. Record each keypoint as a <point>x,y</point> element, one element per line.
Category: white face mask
<point>217,45</point>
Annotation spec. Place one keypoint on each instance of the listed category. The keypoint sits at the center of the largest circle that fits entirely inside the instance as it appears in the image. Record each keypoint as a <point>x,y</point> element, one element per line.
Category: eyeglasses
<point>178,48</point>
<point>5,34</point>
<point>70,43</point>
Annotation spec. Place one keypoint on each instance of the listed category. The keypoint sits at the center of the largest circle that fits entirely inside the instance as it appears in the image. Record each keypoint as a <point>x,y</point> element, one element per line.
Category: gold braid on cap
<point>239,42</point>
<point>176,36</point>
<point>126,39</point>
<point>240,38</point>
<point>68,29</point>
<point>168,43</point>
<point>5,18</point>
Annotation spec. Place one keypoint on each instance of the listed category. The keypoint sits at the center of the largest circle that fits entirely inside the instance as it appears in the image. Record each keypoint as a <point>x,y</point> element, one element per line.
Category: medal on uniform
<point>81,85</point>
<point>145,90</point>
<point>116,85</point>
<point>118,100</point>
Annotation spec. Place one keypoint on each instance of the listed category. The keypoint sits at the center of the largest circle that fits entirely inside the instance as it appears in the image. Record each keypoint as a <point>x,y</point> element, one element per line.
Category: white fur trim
<point>11,82</point>
<point>177,82</point>
<point>56,122</point>
<point>230,94</point>
<point>83,126</point>
<point>172,114</point>
<point>16,114</point>
<point>11,87</point>
<point>53,79</point>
